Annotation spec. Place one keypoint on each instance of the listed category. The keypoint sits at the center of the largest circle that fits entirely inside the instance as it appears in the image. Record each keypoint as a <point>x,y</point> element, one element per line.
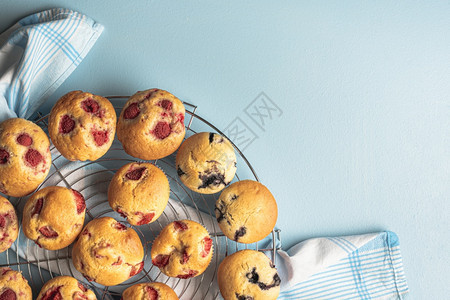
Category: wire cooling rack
<point>92,179</point>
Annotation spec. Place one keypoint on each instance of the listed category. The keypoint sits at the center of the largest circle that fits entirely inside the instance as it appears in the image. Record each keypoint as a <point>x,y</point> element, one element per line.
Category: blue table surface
<point>357,135</point>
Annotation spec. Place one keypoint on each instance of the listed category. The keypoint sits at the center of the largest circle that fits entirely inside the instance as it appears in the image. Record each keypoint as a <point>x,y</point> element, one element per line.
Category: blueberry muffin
<point>183,249</point>
<point>246,211</point>
<point>82,125</point>
<point>149,291</point>
<point>248,275</point>
<point>206,162</point>
<point>25,157</point>
<point>151,124</point>
<point>108,252</point>
<point>65,288</point>
<point>13,285</point>
<point>139,192</point>
<point>9,227</point>
<point>53,217</point>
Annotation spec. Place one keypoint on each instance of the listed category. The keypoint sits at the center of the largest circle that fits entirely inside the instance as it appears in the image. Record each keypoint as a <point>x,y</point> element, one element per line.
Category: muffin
<point>82,125</point>
<point>53,217</point>
<point>25,157</point>
<point>149,291</point>
<point>151,124</point>
<point>9,227</point>
<point>13,285</point>
<point>139,192</point>
<point>183,249</point>
<point>65,287</point>
<point>206,162</point>
<point>108,252</point>
<point>248,274</point>
<point>246,211</point>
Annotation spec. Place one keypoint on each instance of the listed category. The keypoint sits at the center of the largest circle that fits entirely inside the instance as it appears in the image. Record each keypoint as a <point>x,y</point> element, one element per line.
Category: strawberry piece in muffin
<point>82,125</point>
<point>108,252</point>
<point>151,124</point>
<point>54,216</point>
<point>25,157</point>
<point>9,226</point>
<point>149,291</point>
<point>13,285</point>
<point>65,287</point>
<point>139,192</point>
<point>183,249</point>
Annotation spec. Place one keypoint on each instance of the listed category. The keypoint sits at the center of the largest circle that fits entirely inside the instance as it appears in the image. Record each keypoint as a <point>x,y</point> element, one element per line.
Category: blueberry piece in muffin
<point>246,211</point>
<point>248,274</point>
<point>253,277</point>
<point>211,178</point>
<point>243,297</point>
<point>240,233</point>
<point>206,162</point>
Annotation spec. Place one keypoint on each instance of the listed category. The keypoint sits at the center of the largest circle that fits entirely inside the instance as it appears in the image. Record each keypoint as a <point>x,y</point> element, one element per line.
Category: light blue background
<point>363,143</point>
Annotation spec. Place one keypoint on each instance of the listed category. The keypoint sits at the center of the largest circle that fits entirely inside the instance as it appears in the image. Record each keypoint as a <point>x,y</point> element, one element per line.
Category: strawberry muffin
<point>9,227</point>
<point>206,162</point>
<point>246,211</point>
<point>139,192</point>
<point>82,125</point>
<point>183,249</point>
<point>149,291</point>
<point>151,124</point>
<point>25,157</point>
<point>108,252</point>
<point>65,287</point>
<point>13,285</point>
<point>248,274</point>
<point>53,217</point>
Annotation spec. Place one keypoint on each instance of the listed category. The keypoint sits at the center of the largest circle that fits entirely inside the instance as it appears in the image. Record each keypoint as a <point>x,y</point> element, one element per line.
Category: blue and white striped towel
<point>354,267</point>
<point>39,53</point>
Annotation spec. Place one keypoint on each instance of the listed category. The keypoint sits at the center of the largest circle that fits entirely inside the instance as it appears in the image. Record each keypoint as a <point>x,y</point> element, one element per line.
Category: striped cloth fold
<point>354,267</point>
<point>37,54</point>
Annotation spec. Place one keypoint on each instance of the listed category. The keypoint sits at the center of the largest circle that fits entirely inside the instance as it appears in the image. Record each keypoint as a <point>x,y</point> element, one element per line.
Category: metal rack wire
<point>92,178</point>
